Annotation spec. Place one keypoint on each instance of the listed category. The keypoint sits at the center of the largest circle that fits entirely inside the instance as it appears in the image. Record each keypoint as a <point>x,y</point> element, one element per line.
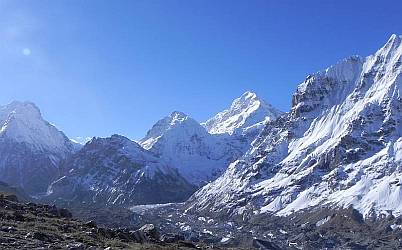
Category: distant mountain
<point>176,122</point>
<point>248,112</point>
<point>339,145</point>
<point>185,145</point>
<point>117,171</point>
<point>31,149</point>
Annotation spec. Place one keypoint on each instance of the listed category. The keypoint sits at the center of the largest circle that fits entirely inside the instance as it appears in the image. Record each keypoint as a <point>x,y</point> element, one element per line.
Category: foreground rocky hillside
<point>35,226</point>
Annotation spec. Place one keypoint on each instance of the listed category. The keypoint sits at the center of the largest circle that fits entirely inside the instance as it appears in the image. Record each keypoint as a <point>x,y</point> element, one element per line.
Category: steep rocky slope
<point>117,171</point>
<point>339,145</point>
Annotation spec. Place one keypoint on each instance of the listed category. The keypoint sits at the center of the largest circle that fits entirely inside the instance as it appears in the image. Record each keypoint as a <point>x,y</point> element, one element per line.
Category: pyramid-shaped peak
<point>247,97</point>
<point>175,121</point>
<point>246,100</point>
<point>245,111</point>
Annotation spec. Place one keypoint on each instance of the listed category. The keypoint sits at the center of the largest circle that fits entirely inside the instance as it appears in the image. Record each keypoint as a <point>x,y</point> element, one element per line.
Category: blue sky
<point>101,67</point>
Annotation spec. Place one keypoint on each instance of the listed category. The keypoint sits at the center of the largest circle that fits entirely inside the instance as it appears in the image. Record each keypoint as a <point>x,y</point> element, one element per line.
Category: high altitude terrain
<point>177,156</point>
<point>325,174</point>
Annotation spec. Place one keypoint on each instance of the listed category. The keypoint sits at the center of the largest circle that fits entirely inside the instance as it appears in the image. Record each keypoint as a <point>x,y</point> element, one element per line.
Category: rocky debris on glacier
<point>313,228</point>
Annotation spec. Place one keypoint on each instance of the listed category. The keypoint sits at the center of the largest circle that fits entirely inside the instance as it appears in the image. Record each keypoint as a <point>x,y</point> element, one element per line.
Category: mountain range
<point>339,145</point>
<point>177,156</point>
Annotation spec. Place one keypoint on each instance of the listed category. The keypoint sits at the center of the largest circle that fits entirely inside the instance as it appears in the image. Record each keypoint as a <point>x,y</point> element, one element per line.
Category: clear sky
<point>101,67</point>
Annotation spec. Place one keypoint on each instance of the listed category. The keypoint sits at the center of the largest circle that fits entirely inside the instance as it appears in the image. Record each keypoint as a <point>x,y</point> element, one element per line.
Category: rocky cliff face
<point>340,144</point>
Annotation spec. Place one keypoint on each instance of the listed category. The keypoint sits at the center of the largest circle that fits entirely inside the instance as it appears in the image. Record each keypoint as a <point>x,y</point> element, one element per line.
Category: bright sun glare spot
<point>26,52</point>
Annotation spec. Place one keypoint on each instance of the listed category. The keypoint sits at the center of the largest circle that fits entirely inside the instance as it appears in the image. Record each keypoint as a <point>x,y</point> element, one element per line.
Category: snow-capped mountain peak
<point>176,120</point>
<point>246,111</point>
<point>23,122</point>
<point>31,149</point>
<point>187,146</point>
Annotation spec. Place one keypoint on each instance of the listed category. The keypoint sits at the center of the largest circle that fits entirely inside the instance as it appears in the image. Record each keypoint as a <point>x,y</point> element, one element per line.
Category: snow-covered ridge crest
<point>339,145</point>
<point>246,111</point>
